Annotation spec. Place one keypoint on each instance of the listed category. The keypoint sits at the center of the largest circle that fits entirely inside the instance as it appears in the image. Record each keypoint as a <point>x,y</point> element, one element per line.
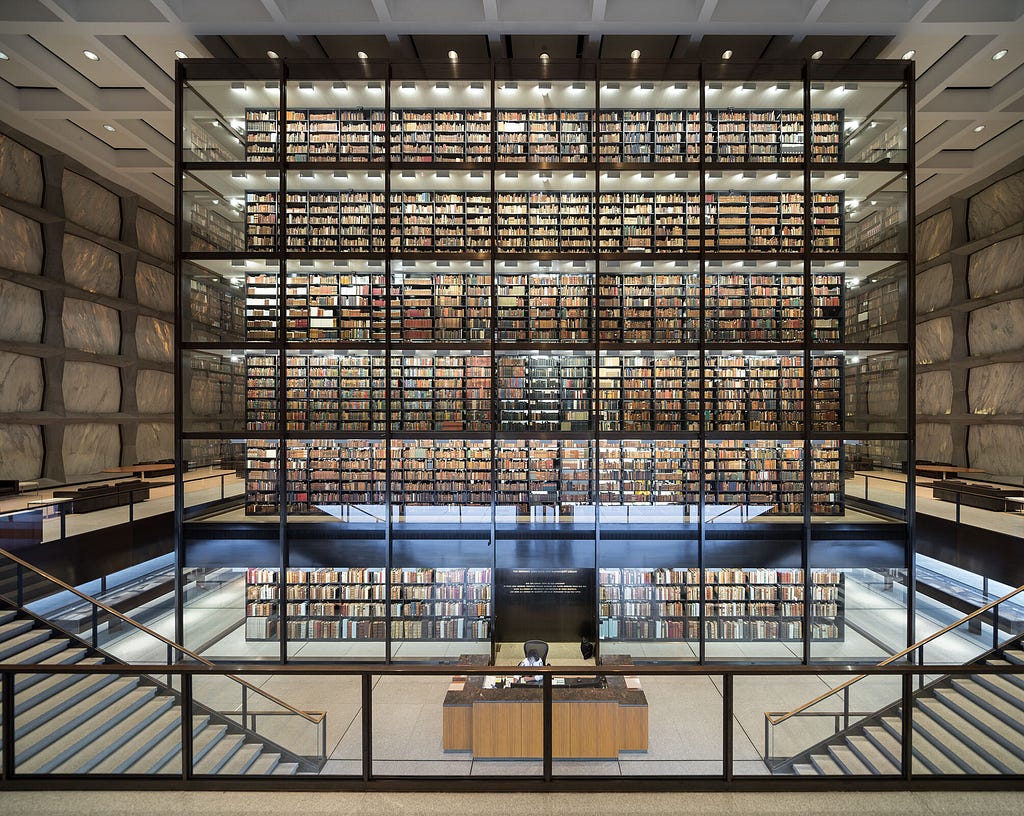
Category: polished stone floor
<point>112,803</point>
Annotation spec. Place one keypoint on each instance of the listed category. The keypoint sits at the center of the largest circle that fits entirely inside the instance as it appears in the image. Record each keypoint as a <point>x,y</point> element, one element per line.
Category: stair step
<point>12,628</point>
<point>164,757</point>
<point>930,732</point>
<point>167,724</point>
<point>206,740</point>
<point>286,769</point>
<point>6,616</point>
<point>1014,656</point>
<point>994,703</point>
<point>871,756</point>
<point>825,765</point>
<point>847,760</point>
<point>242,759</point>
<point>266,763</point>
<point>925,754</point>
<point>65,658</point>
<point>131,727</point>
<point>996,727</point>
<point>50,707</point>
<point>38,652</point>
<point>887,743</point>
<point>1016,679</point>
<point>120,716</point>
<point>20,642</point>
<point>969,735</point>
<point>220,754</point>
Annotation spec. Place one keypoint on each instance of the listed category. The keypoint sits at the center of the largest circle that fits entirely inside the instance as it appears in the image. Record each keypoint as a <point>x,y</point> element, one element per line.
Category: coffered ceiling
<point>970,118</point>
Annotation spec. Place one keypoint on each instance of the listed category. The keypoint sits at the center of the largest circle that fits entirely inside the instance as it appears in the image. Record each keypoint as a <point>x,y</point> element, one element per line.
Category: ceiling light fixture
<point>362,55</point>
<point>3,56</point>
<point>818,54</point>
<point>441,86</point>
<point>634,54</point>
<point>727,54</point>
<point>340,86</point>
<point>909,55</point>
<point>273,54</point>
<point>544,55</point>
<point>109,127</point>
<point>979,128</point>
<point>238,86</point>
<point>306,87</point>
<point>453,54</point>
<point>92,55</point>
<point>1002,52</point>
<point>181,55</point>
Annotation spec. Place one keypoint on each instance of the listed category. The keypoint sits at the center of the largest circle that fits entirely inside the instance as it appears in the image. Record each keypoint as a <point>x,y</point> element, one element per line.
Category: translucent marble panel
<point>996,207</point>
<point>155,287</point>
<point>155,441</point>
<point>21,172</point>
<point>21,316</point>
<point>996,389</point>
<point>997,449</point>
<point>154,392</point>
<point>21,451</point>
<point>21,243</point>
<point>934,288</point>
<point>934,442</point>
<point>90,447</point>
<point>997,268</point>
<point>91,388</point>
<point>21,383</point>
<point>933,235</point>
<point>91,327</point>
<point>934,340</point>
<point>996,328</point>
<point>91,205</point>
<point>934,393</point>
<point>90,266</point>
<point>156,236</point>
<point>154,339</point>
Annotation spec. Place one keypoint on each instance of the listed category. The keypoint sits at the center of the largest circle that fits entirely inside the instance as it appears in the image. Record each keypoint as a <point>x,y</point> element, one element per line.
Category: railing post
<point>907,727</point>
<point>7,712</point>
<point>547,722</point>
<point>846,708</point>
<point>769,760</point>
<point>186,727</point>
<point>131,507</point>
<point>95,627</point>
<point>995,627</point>
<point>222,487</point>
<point>245,710</point>
<point>727,736</point>
<point>367,701</point>
<point>62,509</point>
<point>21,586</point>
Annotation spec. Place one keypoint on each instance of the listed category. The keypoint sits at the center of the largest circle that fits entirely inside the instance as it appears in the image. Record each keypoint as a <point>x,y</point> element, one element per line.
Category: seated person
<point>532,659</point>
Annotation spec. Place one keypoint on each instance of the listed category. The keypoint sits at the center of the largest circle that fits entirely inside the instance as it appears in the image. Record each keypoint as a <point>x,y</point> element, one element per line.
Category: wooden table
<point>945,471</point>
<point>139,470</point>
<point>507,723</point>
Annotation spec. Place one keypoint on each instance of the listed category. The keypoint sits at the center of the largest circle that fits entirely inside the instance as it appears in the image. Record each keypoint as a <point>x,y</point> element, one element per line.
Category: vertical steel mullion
<point>187,759</point>
<point>906,727</point>
<point>7,715</point>
<point>547,720</point>
<point>595,339</point>
<point>492,260</point>
<point>366,699</point>
<point>179,484</point>
<point>702,358</point>
<point>808,381</point>
<point>388,396</point>
<point>282,360</point>
<point>728,704</point>
<point>910,381</point>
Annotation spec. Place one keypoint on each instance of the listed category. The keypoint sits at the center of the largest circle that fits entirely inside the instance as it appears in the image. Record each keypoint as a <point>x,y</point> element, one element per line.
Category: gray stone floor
<point>114,803</point>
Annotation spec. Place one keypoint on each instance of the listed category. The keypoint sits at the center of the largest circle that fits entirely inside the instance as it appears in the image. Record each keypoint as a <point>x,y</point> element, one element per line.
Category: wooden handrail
<point>311,716</point>
<point>776,720</point>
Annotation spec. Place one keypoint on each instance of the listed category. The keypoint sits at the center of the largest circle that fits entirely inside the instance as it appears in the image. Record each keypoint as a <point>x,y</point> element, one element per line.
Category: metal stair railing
<point>842,719</point>
<point>316,719</point>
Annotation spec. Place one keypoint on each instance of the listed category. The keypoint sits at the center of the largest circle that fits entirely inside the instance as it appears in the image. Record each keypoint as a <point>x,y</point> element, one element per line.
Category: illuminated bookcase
<point>643,307</point>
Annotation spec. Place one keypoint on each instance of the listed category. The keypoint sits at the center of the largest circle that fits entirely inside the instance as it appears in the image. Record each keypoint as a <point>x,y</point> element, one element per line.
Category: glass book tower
<point>629,340</point>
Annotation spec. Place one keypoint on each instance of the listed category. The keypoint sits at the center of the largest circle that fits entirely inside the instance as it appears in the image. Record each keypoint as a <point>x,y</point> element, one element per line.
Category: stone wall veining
<point>934,288</point>
<point>996,207</point>
<point>22,241</point>
<point>996,389</point>
<point>21,313</point>
<point>934,442</point>
<point>934,393</point>
<point>155,234</point>
<point>21,383</point>
<point>155,339</point>
<point>997,328</point>
<point>91,205</point>
<point>91,267</point>
<point>91,388</point>
<point>91,327</point>
<point>997,268</point>
<point>997,449</point>
<point>21,451</point>
<point>91,447</point>
<point>155,287</point>
<point>934,340</point>
<point>933,235</point>
<point>155,441</point>
<point>154,391</point>
<point>21,172</point>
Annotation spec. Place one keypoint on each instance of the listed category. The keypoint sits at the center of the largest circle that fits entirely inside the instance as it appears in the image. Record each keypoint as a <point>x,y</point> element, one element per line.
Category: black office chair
<point>538,646</point>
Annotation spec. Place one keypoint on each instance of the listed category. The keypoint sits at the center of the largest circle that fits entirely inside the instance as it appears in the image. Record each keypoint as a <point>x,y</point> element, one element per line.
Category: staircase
<point>113,724</point>
<point>969,724</point>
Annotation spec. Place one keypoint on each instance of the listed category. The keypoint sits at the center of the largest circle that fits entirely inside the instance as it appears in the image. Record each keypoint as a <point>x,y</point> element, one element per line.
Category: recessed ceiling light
<point>181,55</point>
<point>727,54</point>
<point>634,54</point>
<point>273,55</point>
<point>979,128</point>
<point>909,54</point>
<point>1002,52</point>
<point>94,57</point>
<point>109,127</point>
<point>453,54</point>
<point>306,87</point>
<point>544,55</point>
<point>817,54</point>
<point>361,55</point>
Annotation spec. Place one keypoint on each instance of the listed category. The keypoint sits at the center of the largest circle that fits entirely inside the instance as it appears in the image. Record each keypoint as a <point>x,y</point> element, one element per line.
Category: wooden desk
<point>587,723</point>
<point>141,470</point>
<point>945,471</point>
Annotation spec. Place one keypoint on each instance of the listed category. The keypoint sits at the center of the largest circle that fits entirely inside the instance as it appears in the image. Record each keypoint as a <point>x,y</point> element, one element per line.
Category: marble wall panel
<point>91,205</point>
<point>154,391</point>
<point>91,327</point>
<point>155,235</point>
<point>91,388</point>
<point>154,339</point>
<point>21,243</point>
<point>997,449</point>
<point>997,328</point>
<point>90,447</point>
<point>21,452</point>
<point>21,172</point>
<point>91,267</point>
<point>996,389</point>
<point>934,340</point>
<point>934,288</point>
<point>21,313</point>
<point>155,441</point>
<point>883,397</point>
<point>205,395</point>
<point>996,207</point>
<point>21,383</point>
<point>934,393</point>
<point>155,287</point>
<point>934,442</point>
<point>997,268</point>
<point>934,235</point>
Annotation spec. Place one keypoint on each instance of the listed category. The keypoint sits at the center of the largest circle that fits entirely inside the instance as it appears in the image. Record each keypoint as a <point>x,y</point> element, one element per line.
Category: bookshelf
<point>216,310</point>
<point>441,135</point>
<point>665,603</point>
